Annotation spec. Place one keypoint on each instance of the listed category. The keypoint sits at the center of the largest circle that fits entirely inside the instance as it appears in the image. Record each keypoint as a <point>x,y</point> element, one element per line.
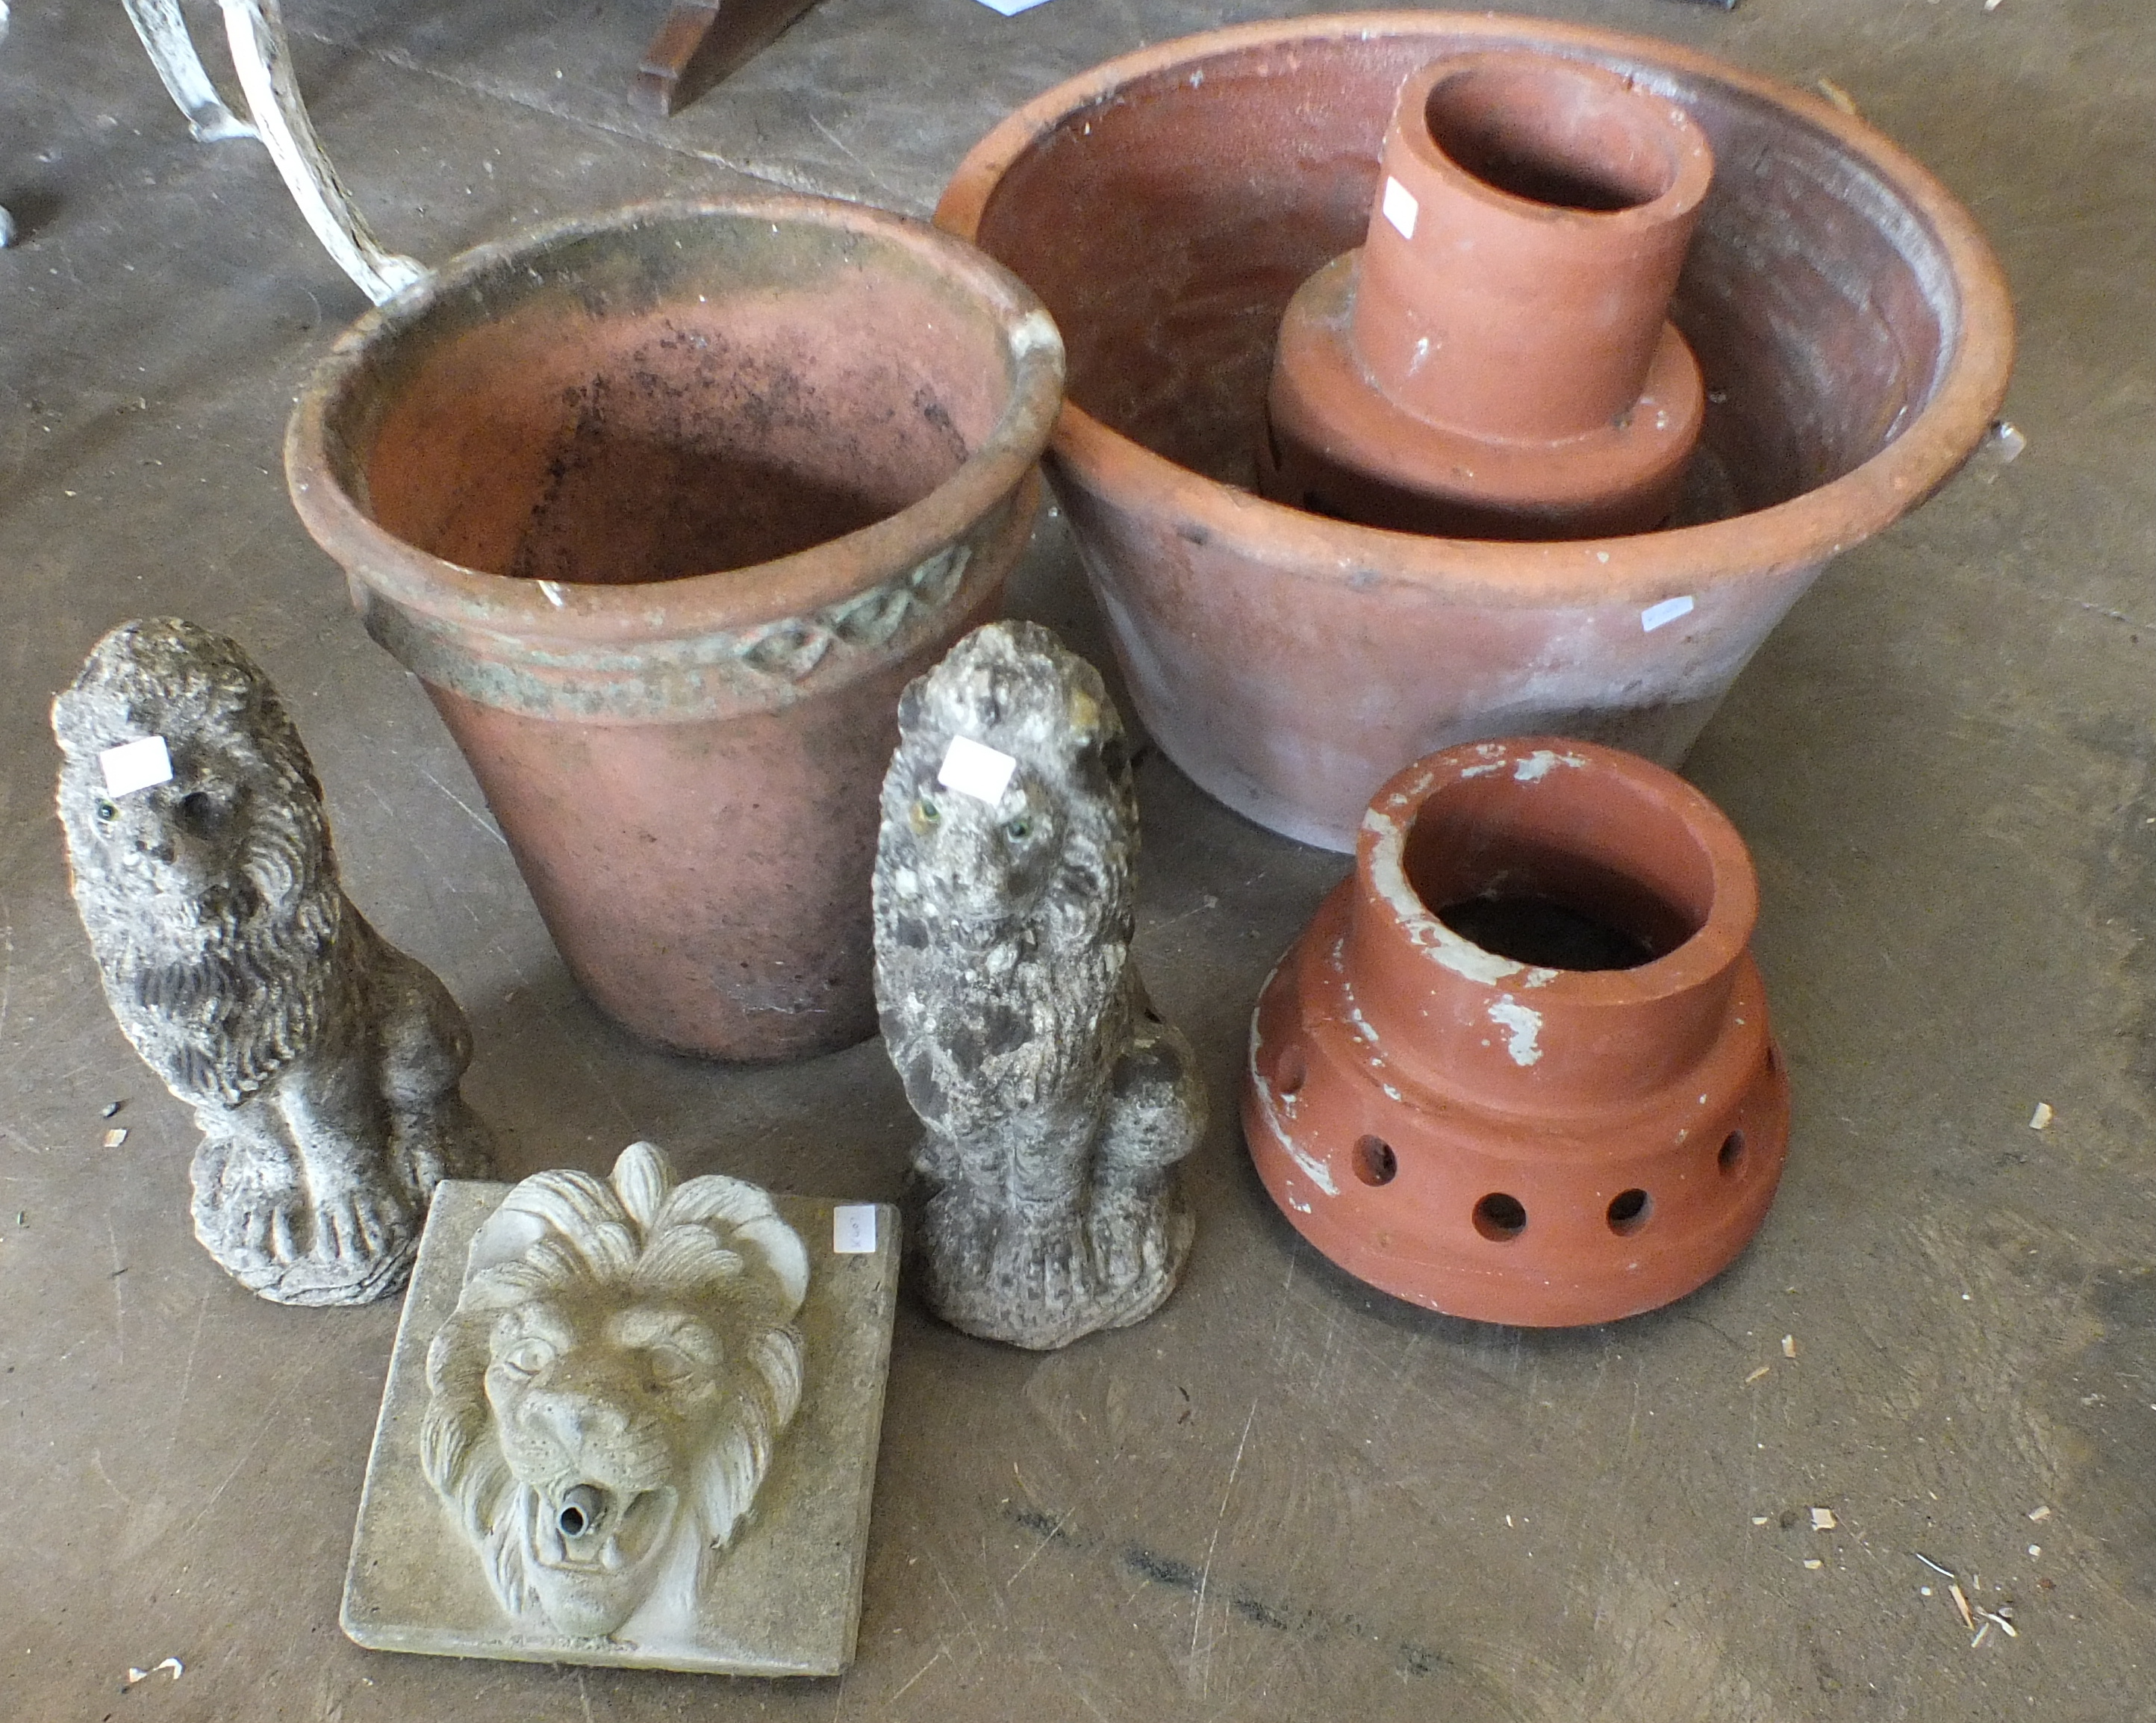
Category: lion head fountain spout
<point>605,1401</point>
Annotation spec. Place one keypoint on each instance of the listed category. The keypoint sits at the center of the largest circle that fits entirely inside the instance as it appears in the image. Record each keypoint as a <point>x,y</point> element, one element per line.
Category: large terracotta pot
<point>1854,332</point>
<point>665,507</point>
<point>1518,1066</point>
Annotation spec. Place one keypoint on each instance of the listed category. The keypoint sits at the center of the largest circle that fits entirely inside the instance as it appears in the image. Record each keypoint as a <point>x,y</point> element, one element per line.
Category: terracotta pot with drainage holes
<point>1518,1066</point>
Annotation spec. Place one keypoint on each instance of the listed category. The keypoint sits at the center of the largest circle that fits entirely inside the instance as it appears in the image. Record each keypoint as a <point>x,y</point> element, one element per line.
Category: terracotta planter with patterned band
<point>1518,1067</point>
<point>664,507</point>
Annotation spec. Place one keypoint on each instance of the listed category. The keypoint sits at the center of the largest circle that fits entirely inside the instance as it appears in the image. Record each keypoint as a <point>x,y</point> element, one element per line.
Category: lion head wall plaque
<point>606,1397</point>
<point>630,1419</point>
<point>322,1064</point>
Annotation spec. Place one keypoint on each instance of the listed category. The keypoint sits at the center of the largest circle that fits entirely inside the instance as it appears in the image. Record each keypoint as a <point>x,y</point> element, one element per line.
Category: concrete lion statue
<point>1056,1102</point>
<point>604,1402</point>
<point>321,1062</point>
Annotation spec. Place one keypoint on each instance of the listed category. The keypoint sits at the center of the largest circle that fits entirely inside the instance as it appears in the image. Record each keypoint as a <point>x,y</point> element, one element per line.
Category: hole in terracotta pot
<point>1544,932</point>
<point>1629,1211</point>
<point>1289,1074</point>
<point>1375,1163</point>
<point>1551,137</point>
<point>1731,1160</point>
<point>1500,1218</point>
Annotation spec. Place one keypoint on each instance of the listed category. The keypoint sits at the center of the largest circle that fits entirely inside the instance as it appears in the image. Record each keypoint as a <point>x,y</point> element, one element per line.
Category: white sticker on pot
<point>975,769</point>
<point>1400,207</point>
<point>1668,611</point>
<point>1010,8</point>
<point>853,1229</point>
<point>136,765</point>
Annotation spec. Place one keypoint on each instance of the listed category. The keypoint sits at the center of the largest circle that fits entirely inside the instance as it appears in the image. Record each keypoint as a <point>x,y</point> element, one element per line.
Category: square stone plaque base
<point>785,1599</point>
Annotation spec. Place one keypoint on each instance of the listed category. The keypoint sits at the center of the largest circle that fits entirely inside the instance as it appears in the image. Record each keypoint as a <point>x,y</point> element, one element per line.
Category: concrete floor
<point>1284,1497</point>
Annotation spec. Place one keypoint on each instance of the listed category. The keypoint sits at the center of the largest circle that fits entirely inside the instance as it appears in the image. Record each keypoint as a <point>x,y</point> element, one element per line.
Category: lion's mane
<point>712,1242</point>
<point>220,992</point>
<point>1050,961</point>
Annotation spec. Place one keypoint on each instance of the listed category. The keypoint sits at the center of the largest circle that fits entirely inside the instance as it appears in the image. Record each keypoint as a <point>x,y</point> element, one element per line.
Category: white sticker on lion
<point>977,770</point>
<point>140,764</point>
<point>621,1361</point>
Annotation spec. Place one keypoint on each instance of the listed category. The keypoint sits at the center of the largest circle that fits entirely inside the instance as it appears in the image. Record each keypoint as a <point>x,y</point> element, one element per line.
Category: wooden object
<point>709,40</point>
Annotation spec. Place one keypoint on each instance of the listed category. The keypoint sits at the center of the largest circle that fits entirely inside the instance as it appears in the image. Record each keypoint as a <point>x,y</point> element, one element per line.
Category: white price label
<point>853,1229</point>
<point>136,765</point>
<point>1668,611</point>
<point>975,769</point>
<point>1400,207</point>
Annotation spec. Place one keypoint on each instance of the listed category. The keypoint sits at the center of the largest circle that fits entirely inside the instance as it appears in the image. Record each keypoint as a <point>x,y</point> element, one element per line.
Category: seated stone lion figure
<point>1056,1102</point>
<point>603,1403</point>
<point>322,1064</point>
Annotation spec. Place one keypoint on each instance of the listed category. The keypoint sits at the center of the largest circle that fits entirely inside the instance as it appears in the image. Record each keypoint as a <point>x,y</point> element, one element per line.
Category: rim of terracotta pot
<point>1690,170</point>
<point>1797,533</point>
<point>1724,933</point>
<point>324,476</point>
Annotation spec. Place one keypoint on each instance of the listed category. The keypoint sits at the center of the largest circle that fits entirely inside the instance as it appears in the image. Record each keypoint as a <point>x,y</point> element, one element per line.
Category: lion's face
<point>600,1408</point>
<point>948,856</point>
<point>980,863</point>
<point>606,1397</point>
<point>237,832</point>
<point>186,841</point>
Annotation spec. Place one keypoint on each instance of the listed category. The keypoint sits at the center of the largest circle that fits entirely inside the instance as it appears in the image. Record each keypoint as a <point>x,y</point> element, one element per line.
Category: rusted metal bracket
<point>701,42</point>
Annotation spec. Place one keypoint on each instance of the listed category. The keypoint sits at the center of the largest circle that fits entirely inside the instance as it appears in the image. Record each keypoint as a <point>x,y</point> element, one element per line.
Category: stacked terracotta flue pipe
<point>1496,361</point>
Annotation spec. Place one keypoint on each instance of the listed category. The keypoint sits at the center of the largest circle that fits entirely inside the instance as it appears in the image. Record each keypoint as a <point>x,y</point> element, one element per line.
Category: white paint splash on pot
<point>1538,765</point>
<point>1522,1025</point>
<point>1389,879</point>
<point>1315,1171</point>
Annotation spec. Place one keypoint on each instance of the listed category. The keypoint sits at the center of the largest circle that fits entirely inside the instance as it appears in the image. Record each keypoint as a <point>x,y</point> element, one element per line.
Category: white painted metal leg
<point>164,34</point>
<point>264,60</point>
<point>7,221</point>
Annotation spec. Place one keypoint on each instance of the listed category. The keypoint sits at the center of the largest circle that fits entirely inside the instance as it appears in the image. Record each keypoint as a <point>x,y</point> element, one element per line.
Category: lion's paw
<point>254,1213</point>
<point>447,1141</point>
<point>356,1225</point>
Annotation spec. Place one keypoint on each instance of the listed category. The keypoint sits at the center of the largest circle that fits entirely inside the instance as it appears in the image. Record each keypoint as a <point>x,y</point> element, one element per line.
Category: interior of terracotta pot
<point>649,403</point>
<point>1563,871</point>
<point>1166,229</point>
